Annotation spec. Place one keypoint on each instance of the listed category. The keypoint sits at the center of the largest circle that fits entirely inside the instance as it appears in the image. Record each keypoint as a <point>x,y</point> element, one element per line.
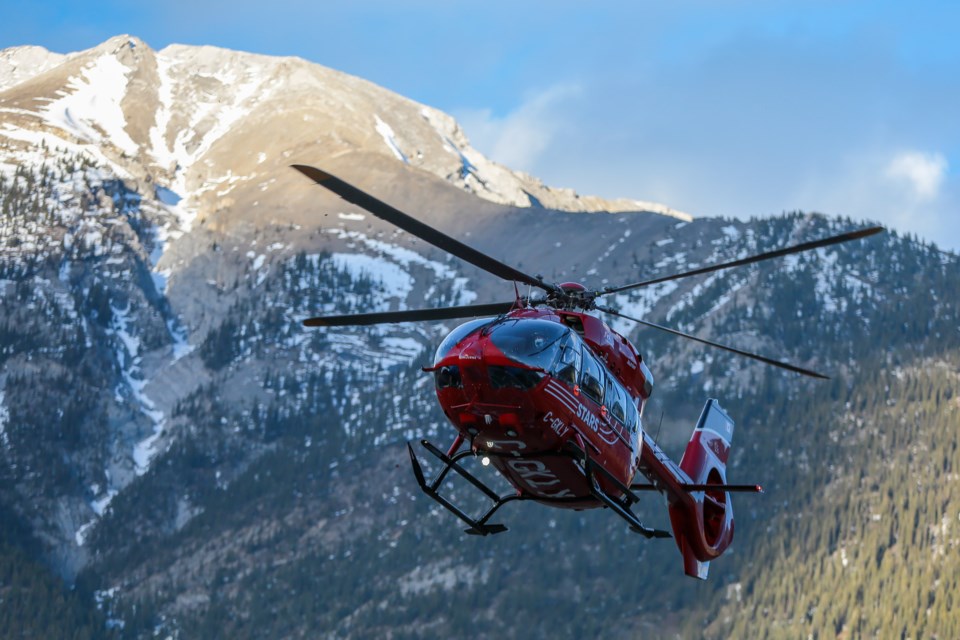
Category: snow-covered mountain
<point>162,198</point>
<point>169,431</point>
<point>178,116</point>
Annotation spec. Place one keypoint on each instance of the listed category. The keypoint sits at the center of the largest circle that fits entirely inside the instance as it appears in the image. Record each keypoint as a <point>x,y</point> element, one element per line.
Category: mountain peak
<point>157,115</point>
<point>18,64</point>
<point>118,43</point>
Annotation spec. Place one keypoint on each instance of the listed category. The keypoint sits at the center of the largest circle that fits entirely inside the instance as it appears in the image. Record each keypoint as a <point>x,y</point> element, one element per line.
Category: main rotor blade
<point>806,246</point>
<point>425,232</point>
<point>412,315</point>
<point>739,352</point>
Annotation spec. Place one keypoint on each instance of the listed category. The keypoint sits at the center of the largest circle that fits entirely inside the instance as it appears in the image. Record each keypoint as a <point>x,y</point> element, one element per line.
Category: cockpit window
<point>457,335</point>
<point>568,368</point>
<point>513,377</point>
<point>591,378</point>
<point>446,377</point>
<point>535,343</point>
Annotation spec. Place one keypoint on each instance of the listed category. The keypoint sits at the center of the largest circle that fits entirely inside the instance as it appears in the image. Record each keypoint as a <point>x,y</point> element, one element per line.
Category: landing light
<point>485,461</point>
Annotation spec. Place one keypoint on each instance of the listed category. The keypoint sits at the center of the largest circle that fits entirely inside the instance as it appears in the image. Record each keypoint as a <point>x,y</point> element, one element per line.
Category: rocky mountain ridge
<point>155,115</point>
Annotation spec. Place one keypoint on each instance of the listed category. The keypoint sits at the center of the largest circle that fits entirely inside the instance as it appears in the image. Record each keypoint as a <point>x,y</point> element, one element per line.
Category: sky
<point>735,108</point>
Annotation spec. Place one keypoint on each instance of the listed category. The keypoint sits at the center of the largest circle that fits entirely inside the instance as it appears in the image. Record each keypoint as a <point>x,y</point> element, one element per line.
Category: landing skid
<point>481,527</point>
<point>478,526</point>
<point>620,507</point>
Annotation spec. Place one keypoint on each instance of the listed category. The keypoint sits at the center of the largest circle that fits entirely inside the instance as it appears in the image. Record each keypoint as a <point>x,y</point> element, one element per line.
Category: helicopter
<point>550,396</point>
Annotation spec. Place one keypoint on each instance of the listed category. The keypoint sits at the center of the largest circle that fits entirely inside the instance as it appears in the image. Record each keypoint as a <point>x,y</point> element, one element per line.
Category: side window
<point>591,379</point>
<point>615,399</point>
<point>568,369</point>
<point>631,414</point>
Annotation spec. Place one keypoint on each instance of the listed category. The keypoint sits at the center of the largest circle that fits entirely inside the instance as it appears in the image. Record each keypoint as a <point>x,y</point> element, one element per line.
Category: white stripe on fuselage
<point>560,398</point>
<point>583,414</point>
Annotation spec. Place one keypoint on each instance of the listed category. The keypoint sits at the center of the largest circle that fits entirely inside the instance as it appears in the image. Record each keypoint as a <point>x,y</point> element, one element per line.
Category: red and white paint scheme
<point>550,397</point>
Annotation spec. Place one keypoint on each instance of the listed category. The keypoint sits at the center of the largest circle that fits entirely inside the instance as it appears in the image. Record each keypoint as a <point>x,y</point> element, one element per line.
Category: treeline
<point>866,544</point>
<point>34,603</point>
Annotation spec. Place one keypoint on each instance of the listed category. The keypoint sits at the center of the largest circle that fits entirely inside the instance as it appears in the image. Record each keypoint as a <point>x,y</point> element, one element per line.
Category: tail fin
<point>709,446</point>
<point>703,528</point>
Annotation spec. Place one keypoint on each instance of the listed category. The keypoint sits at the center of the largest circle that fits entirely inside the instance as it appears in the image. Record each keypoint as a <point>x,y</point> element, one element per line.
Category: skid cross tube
<point>478,526</point>
<point>621,508</point>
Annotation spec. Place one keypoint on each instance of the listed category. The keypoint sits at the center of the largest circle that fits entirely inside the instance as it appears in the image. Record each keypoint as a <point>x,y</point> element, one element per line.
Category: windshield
<point>457,335</point>
<point>535,343</point>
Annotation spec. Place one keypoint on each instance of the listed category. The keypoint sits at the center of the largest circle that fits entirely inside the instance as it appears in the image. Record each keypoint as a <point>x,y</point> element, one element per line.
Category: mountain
<point>192,462</point>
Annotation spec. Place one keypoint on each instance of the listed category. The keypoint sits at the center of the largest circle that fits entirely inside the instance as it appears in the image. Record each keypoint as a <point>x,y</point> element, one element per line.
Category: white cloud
<point>908,191</point>
<point>922,172</point>
<point>520,138</point>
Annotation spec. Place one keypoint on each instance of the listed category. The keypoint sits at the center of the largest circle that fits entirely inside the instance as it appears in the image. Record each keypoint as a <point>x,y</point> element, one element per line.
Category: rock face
<point>171,435</point>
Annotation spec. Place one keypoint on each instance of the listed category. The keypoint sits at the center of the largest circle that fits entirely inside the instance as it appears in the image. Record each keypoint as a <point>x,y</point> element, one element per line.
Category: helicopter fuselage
<point>523,387</point>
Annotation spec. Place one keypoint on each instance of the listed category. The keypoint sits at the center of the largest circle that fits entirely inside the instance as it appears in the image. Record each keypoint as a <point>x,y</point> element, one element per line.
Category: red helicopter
<point>552,397</point>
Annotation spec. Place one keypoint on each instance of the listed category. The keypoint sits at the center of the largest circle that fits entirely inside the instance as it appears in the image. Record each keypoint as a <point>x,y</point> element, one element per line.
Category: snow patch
<point>692,296</point>
<point>386,132</point>
<point>93,107</point>
<point>213,115</point>
<point>40,142</point>
<point>731,232</point>
<point>81,535</point>
<point>181,218</point>
<point>437,576</point>
<point>405,258</point>
<point>4,419</point>
<point>405,348</point>
<point>467,168</point>
<point>181,342</point>
<point>100,505</point>
<point>639,304</point>
<point>159,148</point>
<point>129,360</point>
<point>396,281</point>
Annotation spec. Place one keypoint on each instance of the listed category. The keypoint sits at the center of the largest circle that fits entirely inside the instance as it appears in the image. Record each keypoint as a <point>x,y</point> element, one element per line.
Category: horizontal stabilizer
<point>731,488</point>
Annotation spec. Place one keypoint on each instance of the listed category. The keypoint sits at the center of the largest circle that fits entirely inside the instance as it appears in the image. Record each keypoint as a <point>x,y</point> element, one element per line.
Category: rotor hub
<point>572,296</point>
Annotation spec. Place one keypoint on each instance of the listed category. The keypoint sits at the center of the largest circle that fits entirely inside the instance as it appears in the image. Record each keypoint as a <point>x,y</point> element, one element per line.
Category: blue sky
<point>722,107</point>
